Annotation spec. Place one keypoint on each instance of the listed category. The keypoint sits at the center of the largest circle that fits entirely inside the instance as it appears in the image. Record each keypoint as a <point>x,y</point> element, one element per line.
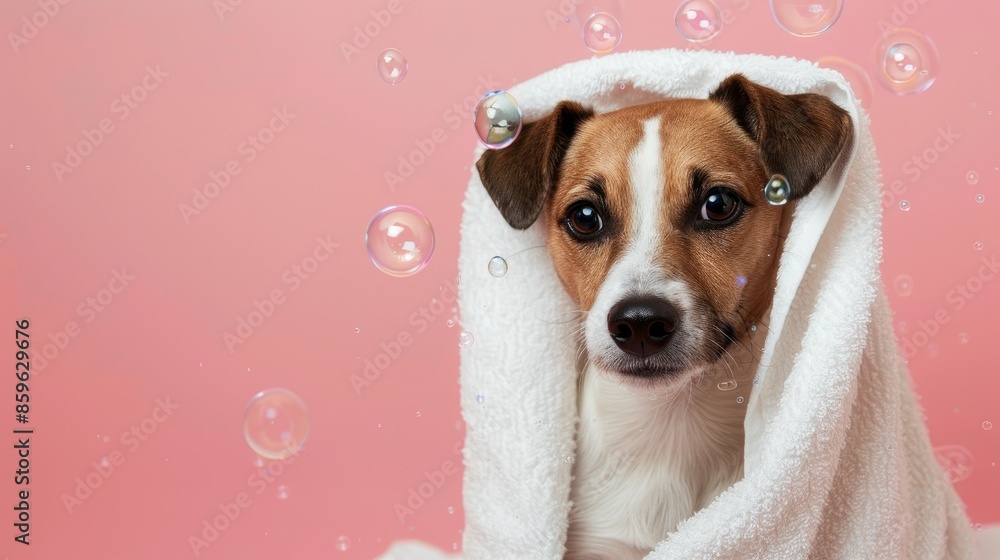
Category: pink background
<point>323,175</point>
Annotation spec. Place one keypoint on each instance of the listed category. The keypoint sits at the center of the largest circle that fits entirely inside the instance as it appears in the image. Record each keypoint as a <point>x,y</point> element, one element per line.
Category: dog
<point>659,228</point>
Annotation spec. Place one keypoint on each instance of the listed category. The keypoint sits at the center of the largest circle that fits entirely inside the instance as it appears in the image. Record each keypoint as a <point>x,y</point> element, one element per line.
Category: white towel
<point>838,463</point>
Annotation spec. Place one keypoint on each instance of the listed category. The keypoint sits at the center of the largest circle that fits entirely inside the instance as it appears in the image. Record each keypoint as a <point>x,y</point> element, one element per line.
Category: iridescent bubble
<point>956,462</point>
<point>739,400</point>
<point>904,205</point>
<point>980,198</point>
<point>972,177</point>
<point>806,18</point>
<point>861,83</point>
<point>904,285</point>
<point>497,267</point>
<point>777,190</point>
<point>978,245</point>
<point>449,323</point>
<point>465,339</point>
<point>343,543</point>
<point>602,32</point>
<point>908,61</point>
<point>392,66</point>
<point>27,168</point>
<point>727,385</point>
<point>276,423</point>
<point>987,425</point>
<point>698,20</point>
<point>497,118</point>
<point>400,240</point>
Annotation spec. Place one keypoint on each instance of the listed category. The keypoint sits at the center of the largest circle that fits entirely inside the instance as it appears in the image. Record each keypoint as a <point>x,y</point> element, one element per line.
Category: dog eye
<point>584,221</point>
<point>721,205</point>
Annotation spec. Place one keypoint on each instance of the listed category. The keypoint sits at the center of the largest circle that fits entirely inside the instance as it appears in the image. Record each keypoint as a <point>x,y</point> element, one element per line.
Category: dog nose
<point>642,326</point>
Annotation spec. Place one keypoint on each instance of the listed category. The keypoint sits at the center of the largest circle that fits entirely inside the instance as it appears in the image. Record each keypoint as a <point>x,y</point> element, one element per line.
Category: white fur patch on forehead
<point>646,178</point>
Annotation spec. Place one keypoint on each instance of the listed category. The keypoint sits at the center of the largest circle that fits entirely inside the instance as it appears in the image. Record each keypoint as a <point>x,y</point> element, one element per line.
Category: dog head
<point>656,216</point>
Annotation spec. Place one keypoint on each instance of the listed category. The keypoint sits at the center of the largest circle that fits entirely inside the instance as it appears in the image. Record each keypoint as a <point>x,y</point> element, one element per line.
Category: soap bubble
<point>400,240</point>
<point>739,400</point>
<point>497,267</point>
<point>972,177</point>
<point>465,339</point>
<point>956,462</point>
<point>497,118</point>
<point>276,423</point>
<point>391,66</point>
<point>978,245</point>
<point>343,543</point>
<point>282,492</point>
<point>698,20</point>
<point>908,60</point>
<point>602,32</point>
<point>727,385</point>
<point>980,198</point>
<point>904,285</point>
<point>861,83</point>
<point>987,425</point>
<point>777,190</point>
<point>806,18</point>
<point>904,205</point>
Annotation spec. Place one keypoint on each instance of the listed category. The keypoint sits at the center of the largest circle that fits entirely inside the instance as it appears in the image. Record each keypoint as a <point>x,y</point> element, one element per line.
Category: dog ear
<point>520,177</point>
<point>800,136</point>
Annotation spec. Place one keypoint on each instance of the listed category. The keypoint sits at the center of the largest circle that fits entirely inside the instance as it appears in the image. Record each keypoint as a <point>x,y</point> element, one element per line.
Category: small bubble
<point>698,20</point>
<point>569,459</point>
<point>904,285</point>
<point>12,146</point>
<point>380,426</point>
<point>480,399</point>
<point>282,492</point>
<point>454,546</point>
<point>753,327</point>
<point>987,425</point>
<point>105,463</point>
<point>813,265</point>
<point>739,400</point>
<point>978,526</point>
<point>963,337</point>
<point>357,330</point>
<point>980,198</point>
<point>777,190</point>
<point>449,323</point>
<point>602,32</point>
<point>904,205</point>
<point>343,543</point>
<point>741,281</point>
<point>27,168</point>
<point>972,177</point>
<point>392,66</point>
<point>465,339</point>
<point>400,240</point>
<point>418,414</point>
<point>727,385</point>
<point>621,85</point>
<point>497,267</point>
<point>909,61</point>
<point>451,510</point>
<point>806,18</point>
<point>497,119</point>
<point>978,245</point>
<point>276,423</point>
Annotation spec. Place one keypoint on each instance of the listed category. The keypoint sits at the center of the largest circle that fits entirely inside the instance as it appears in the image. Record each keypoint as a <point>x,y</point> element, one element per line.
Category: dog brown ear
<point>800,136</point>
<point>520,177</point>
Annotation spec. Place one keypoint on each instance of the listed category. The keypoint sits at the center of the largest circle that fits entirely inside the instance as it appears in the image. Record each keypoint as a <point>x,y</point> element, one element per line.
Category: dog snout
<point>642,326</point>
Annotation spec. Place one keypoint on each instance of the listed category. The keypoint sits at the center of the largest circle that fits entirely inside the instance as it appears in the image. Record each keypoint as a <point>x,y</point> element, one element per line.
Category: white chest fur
<point>646,461</point>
